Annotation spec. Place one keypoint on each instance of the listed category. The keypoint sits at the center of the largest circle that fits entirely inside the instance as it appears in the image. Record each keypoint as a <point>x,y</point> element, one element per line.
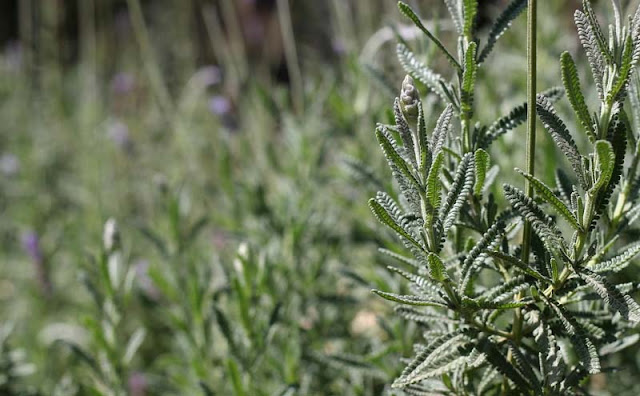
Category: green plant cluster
<point>502,314</point>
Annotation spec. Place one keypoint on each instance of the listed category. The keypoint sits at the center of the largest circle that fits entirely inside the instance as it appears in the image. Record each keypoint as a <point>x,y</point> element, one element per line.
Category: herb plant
<point>522,299</point>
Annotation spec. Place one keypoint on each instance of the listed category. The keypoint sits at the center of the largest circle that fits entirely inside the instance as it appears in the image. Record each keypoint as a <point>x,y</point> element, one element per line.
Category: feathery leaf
<point>510,13</point>
<point>617,300</point>
<point>468,80</point>
<point>573,89</point>
<point>385,218</point>
<point>560,135</point>
<point>548,196</point>
<point>590,45</point>
<point>409,13</point>
<point>410,299</point>
<point>422,73</point>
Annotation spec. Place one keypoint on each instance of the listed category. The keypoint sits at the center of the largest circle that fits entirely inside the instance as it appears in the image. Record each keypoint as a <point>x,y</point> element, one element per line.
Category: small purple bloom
<point>9,164</point>
<point>123,83</point>
<point>208,75</point>
<point>13,56</point>
<point>118,132</point>
<point>137,384</point>
<point>144,280</point>
<point>31,245</point>
<point>338,47</point>
<point>219,105</point>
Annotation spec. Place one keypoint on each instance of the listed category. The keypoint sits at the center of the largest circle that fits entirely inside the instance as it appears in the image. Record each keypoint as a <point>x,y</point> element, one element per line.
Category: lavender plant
<point>522,299</point>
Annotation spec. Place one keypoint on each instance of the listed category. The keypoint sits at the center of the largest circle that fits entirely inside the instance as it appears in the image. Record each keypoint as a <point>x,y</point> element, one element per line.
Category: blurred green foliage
<point>246,250</point>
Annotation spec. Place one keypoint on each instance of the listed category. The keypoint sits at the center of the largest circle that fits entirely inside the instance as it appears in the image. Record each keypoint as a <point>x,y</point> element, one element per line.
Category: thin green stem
<point>531,145</point>
<point>531,117</point>
<point>291,55</point>
<point>151,65</point>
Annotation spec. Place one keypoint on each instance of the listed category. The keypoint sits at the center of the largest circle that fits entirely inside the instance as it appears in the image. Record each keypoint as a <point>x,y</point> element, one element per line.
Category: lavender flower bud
<point>111,236</point>
<point>409,99</point>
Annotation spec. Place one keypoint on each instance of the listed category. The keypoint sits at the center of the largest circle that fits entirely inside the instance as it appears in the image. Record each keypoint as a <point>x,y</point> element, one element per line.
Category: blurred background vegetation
<point>232,142</point>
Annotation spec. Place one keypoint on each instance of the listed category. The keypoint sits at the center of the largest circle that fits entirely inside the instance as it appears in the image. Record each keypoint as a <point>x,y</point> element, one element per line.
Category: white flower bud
<point>111,235</point>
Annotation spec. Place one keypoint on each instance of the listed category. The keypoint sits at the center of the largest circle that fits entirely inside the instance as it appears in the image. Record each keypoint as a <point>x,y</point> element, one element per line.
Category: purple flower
<point>220,105</point>
<point>31,245</point>
<point>13,56</point>
<point>9,164</point>
<point>137,384</point>
<point>338,47</point>
<point>123,83</point>
<point>208,75</point>
<point>118,133</point>
<point>144,280</point>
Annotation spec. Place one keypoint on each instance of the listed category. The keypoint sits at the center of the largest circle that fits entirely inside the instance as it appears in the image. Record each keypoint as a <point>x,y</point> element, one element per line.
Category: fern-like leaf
<point>510,13</point>
<point>417,316</point>
<point>617,300</point>
<point>405,134</point>
<point>619,90</point>
<point>497,360</point>
<point>456,15</point>
<point>573,89</point>
<point>590,45</point>
<point>438,349</point>
<point>505,290</point>
<point>584,346</point>
<point>548,196</point>
<point>552,365</point>
<point>523,364</point>
<point>481,162</point>
<point>496,230</point>
<point>387,219</point>
<point>433,187</point>
<point>560,135</point>
<point>542,224</point>
<point>423,284</point>
<point>393,156</point>
<point>470,8</point>
<point>468,80</point>
<point>519,265</point>
<point>458,193</point>
<point>422,73</point>
<point>605,160</point>
<point>620,261</point>
<point>437,269</point>
<point>410,299</point>
<point>409,13</point>
<point>441,130</point>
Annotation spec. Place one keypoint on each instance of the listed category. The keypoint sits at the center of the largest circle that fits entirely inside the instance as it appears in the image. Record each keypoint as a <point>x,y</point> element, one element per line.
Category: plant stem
<point>531,117</point>
<point>291,55</point>
<point>151,65</point>
<point>531,146</point>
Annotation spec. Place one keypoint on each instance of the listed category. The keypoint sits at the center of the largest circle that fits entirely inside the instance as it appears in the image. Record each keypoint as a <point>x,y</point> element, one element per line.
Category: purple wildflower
<point>219,105</point>
<point>123,83</point>
<point>338,47</point>
<point>144,280</point>
<point>137,384</point>
<point>118,133</point>
<point>9,164</point>
<point>13,56</point>
<point>208,75</point>
<point>31,245</point>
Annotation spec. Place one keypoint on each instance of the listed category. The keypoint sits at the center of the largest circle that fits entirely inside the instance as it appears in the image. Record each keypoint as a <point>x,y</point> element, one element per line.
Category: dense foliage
<point>494,306</point>
<point>183,188</point>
